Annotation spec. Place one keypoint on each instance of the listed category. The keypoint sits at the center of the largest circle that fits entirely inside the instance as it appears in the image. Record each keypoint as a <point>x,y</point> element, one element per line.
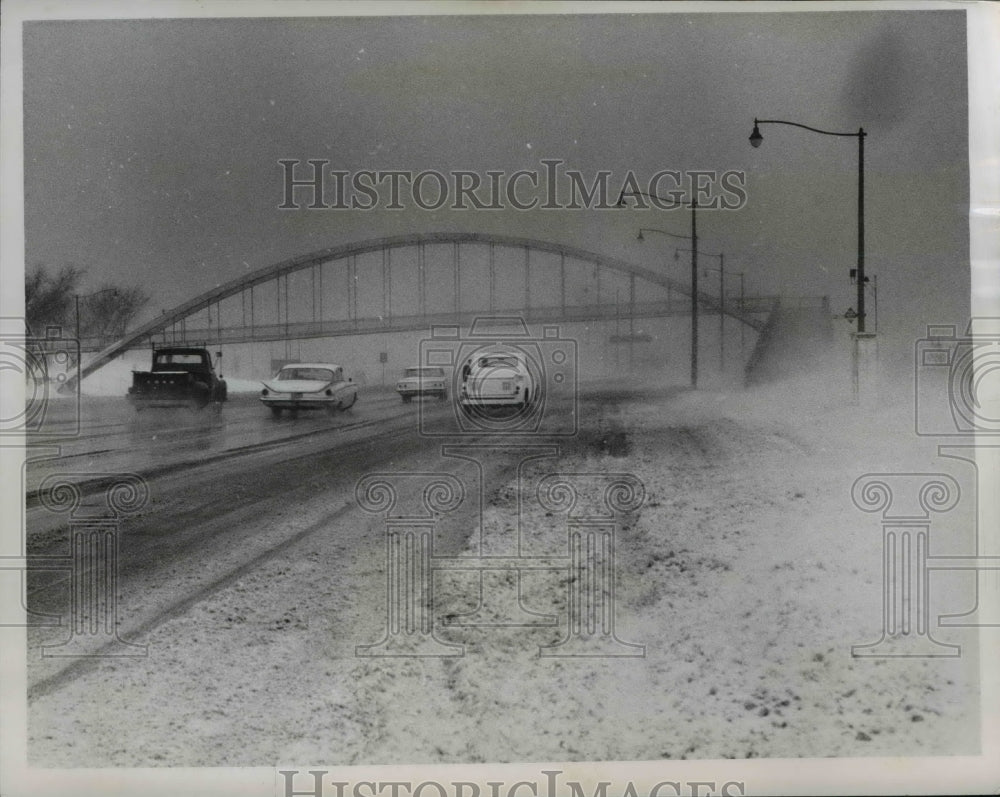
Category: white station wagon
<point>309,386</point>
<point>497,379</point>
<point>423,381</point>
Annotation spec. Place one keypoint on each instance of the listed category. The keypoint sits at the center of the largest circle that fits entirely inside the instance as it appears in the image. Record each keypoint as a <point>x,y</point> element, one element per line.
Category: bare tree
<point>53,300</point>
<point>110,310</point>
<point>48,298</point>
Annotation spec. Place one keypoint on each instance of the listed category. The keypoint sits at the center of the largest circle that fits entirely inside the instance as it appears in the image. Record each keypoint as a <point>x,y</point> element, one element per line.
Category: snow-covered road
<point>742,580</point>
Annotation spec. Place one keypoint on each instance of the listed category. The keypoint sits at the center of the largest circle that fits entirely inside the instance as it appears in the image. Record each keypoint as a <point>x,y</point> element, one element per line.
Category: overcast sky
<point>152,147</point>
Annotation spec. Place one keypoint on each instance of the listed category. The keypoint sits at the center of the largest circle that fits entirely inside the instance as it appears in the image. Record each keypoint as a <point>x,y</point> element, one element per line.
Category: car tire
<point>443,395</point>
<point>276,412</point>
<point>407,399</point>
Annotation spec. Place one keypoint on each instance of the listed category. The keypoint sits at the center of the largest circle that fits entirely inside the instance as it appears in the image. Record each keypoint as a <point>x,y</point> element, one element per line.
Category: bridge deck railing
<point>749,314</point>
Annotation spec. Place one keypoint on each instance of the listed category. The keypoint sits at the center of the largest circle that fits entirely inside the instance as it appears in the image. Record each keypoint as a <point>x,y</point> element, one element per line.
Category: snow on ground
<point>747,575</point>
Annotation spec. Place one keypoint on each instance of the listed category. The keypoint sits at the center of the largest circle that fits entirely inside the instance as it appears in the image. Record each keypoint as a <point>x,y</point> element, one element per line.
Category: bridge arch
<point>351,251</point>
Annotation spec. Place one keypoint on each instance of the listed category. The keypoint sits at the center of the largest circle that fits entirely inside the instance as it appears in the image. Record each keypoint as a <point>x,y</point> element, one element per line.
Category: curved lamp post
<point>721,271</point>
<point>693,237</point>
<point>743,326</point>
<point>756,138</point>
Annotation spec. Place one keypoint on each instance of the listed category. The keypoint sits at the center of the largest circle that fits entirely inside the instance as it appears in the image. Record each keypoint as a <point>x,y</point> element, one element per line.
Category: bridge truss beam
<point>166,325</point>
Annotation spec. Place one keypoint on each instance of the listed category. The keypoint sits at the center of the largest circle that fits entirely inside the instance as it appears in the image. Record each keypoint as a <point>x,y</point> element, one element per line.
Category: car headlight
<point>264,392</point>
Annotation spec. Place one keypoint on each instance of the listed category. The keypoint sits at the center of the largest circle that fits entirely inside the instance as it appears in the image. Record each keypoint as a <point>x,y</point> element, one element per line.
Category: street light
<point>875,291</point>
<point>874,286</point>
<point>694,292</point>
<point>743,326</point>
<point>755,140</point>
<point>721,270</point>
<point>722,302</point>
<point>694,266</point>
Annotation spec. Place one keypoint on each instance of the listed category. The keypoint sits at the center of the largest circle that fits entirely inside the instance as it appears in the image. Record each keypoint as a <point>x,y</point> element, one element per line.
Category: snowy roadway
<point>253,578</point>
<point>111,437</point>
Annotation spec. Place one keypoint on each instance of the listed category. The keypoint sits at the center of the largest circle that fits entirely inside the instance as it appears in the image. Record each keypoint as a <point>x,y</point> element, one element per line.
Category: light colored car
<point>497,379</point>
<point>423,381</point>
<point>309,386</point>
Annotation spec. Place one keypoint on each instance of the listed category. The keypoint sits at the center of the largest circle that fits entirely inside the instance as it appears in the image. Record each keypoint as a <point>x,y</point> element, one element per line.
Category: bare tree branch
<point>52,300</point>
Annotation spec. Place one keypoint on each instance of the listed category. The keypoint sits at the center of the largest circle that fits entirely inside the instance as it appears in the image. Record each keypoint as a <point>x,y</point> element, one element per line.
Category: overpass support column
<point>562,284</point>
<point>458,276</point>
<point>288,341</point>
<point>597,289</point>
<point>387,284</point>
<point>527,281</point>
<point>493,279</point>
<point>421,281</point>
<point>352,289</point>
<point>631,318</point>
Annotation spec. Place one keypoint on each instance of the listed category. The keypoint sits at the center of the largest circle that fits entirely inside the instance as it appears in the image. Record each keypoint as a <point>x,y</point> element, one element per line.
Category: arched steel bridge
<point>171,326</point>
